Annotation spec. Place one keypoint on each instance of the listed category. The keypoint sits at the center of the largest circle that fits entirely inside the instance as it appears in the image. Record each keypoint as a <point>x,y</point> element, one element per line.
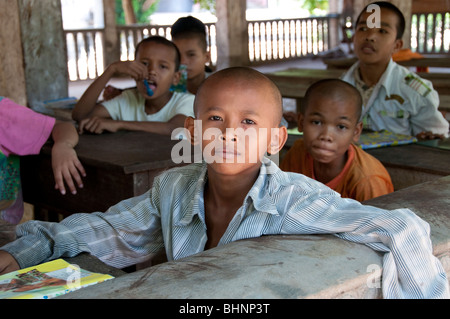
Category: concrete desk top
<point>285,266</point>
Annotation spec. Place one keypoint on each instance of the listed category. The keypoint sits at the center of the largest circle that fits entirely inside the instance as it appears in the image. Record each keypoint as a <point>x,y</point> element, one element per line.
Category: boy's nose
<point>370,35</point>
<point>326,135</point>
<point>184,60</point>
<point>228,137</point>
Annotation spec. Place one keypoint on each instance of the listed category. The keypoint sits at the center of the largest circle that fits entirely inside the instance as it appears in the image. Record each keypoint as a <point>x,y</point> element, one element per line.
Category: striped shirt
<point>171,215</point>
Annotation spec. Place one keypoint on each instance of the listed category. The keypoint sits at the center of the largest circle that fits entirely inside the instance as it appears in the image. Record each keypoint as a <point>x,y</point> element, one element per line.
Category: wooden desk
<point>407,165</point>
<point>283,266</point>
<point>293,83</point>
<point>440,61</point>
<point>118,166</point>
<point>413,164</point>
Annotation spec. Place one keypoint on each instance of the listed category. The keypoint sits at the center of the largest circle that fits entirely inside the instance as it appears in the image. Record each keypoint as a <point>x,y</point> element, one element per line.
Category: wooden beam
<point>12,74</point>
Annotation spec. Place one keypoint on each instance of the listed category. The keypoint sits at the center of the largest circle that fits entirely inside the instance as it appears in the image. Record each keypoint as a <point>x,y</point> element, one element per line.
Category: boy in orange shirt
<point>329,120</point>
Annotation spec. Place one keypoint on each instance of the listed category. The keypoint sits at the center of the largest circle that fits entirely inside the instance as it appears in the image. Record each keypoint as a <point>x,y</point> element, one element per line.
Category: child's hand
<point>98,125</point>
<point>7,263</point>
<point>136,70</point>
<point>429,136</point>
<point>66,167</point>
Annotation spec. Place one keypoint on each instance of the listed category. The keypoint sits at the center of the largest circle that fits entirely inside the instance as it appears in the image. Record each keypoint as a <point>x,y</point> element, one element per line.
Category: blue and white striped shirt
<point>171,215</point>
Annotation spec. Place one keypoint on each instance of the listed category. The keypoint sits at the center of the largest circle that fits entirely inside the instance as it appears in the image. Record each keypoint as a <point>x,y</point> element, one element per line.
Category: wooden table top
<point>118,166</point>
<point>294,266</point>
<point>438,61</point>
<point>416,156</point>
<point>294,82</point>
<point>125,150</point>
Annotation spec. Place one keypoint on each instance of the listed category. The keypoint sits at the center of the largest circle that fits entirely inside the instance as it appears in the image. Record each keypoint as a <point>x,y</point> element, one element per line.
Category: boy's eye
<point>248,121</point>
<point>215,118</point>
<point>316,122</point>
<point>342,127</point>
<point>362,28</point>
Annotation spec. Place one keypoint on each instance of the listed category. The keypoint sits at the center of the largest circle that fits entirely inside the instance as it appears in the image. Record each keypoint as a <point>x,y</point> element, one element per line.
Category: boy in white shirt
<point>394,98</point>
<point>153,108</point>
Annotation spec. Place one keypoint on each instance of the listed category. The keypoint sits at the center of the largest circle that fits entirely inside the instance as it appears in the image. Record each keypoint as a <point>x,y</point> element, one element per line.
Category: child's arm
<point>410,270</point>
<point>128,233</point>
<point>98,125</point>
<point>7,263</point>
<point>427,122</point>
<point>86,106</point>
<point>65,163</point>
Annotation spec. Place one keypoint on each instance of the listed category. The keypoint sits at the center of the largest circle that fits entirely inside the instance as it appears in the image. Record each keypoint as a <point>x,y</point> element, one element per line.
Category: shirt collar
<point>386,79</point>
<point>261,195</point>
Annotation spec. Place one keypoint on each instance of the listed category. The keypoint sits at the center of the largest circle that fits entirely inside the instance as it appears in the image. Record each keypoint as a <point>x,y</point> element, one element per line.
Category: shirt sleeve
<point>128,233</point>
<point>410,270</point>
<point>428,117</point>
<point>372,186</point>
<point>184,105</point>
<point>22,130</point>
<point>124,106</point>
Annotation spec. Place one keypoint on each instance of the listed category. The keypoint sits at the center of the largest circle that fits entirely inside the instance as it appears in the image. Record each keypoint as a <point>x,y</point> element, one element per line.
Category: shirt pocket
<point>393,108</point>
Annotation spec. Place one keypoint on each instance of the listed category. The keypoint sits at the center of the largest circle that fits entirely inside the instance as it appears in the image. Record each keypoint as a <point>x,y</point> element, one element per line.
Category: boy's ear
<point>398,45</point>
<point>357,132</point>
<point>207,57</point>
<point>300,122</point>
<point>189,125</point>
<point>176,77</point>
<point>278,137</point>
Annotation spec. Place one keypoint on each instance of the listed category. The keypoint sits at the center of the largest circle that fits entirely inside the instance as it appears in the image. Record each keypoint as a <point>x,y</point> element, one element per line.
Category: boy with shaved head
<point>330,121</point>
<point>211,203</point>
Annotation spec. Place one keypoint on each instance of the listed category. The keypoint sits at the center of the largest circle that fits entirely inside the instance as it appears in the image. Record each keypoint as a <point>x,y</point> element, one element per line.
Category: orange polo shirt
<point>363,176</point>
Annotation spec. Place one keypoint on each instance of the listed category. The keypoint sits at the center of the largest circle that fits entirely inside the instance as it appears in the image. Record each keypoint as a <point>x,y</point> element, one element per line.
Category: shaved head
<point>247,79</point>
<point>333,88</point>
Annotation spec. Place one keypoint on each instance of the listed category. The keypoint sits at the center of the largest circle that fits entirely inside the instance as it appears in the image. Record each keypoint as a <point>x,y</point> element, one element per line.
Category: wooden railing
<point>284,39</point>
<point>269,40</point>
<point>430,33</point>
<point>130,35</point>
<point>84,53</point>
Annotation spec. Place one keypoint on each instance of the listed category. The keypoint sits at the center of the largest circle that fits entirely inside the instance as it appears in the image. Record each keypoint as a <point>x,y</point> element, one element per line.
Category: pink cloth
<point>22,131</point>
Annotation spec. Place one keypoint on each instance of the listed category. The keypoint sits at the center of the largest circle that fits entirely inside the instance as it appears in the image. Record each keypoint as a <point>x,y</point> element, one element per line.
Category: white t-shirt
<point>130,106</point>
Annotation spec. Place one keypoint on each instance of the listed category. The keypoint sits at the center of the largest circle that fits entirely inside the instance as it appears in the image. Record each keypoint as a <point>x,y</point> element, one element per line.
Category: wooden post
<point>232,33</point>
<point>111,46</point>
<point>44,50</point>
<point>335,27</point>
<point>12,75</point>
